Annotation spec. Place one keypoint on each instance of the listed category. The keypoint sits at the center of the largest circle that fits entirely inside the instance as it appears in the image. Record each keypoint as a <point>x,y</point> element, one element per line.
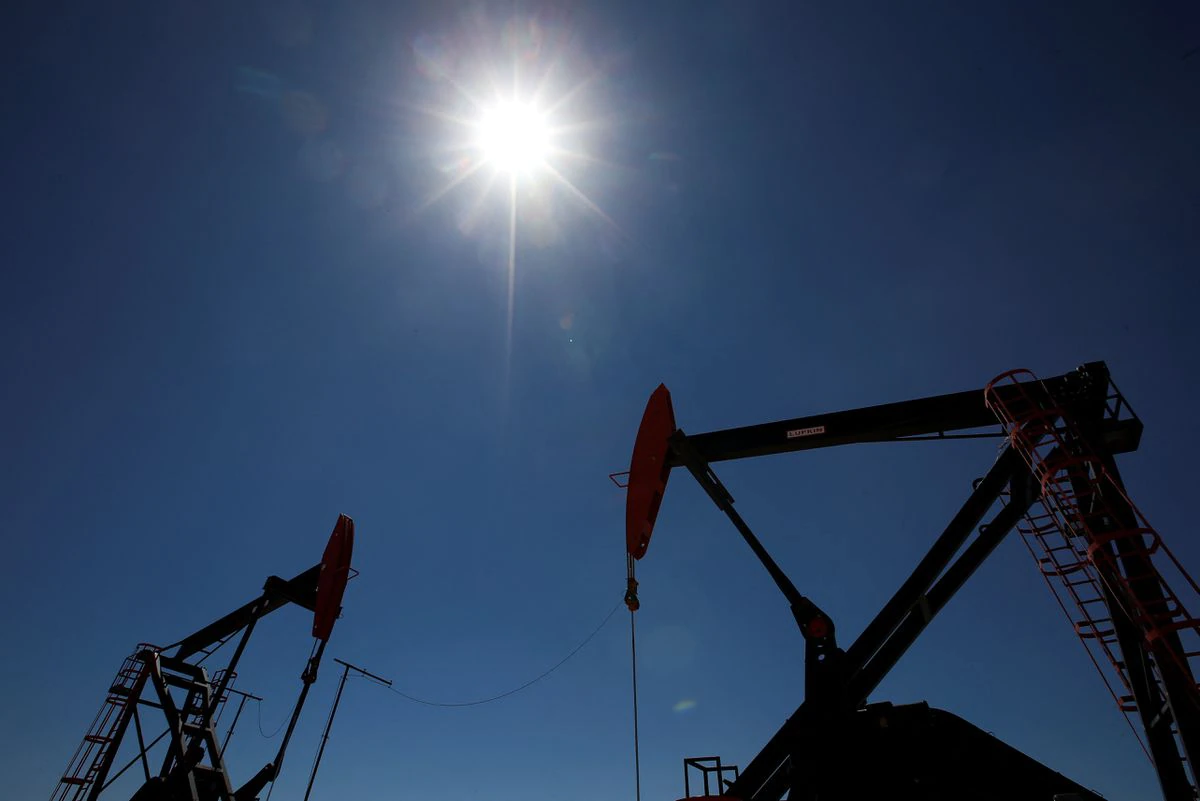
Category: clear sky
<point>234,305</point>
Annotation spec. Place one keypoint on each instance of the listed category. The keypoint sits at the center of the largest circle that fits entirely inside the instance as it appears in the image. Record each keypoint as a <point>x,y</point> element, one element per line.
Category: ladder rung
<point>1176,625</point>
<point>73,780</point>
<point>1104,637</point>
<point>1056,475</point>
<point>1093,622</point>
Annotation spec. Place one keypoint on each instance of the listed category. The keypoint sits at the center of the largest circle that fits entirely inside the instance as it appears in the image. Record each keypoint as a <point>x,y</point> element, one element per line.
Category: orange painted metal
<point>335,572</point>
<point>648,471</point>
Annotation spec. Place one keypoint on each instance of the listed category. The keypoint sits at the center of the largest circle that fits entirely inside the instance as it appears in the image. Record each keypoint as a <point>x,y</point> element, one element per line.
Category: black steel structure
<point>712,774</point>
<point>1055,476</point>
<point>174,681</point>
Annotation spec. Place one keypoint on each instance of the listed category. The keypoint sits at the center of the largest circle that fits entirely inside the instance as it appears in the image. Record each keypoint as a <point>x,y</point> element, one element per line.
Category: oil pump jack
<point>174,681</point>
<point>1055,481</point>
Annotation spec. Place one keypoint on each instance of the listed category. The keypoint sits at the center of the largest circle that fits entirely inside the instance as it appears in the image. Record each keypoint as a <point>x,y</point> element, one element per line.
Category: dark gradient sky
<point>229,313</point>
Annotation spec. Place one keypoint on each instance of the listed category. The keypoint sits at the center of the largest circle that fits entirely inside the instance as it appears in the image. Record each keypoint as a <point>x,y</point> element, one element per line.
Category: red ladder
<point>1078,589</point>
<point>1076,530</point>
<point>91,754</point>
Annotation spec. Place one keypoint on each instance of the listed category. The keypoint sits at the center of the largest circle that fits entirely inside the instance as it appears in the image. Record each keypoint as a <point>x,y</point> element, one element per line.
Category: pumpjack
<point>1055,481</point>
<point>174,681</point>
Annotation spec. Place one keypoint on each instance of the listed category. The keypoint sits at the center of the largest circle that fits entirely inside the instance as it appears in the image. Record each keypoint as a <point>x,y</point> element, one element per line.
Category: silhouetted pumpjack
<point>1058,484</point>
<point>194,767</point>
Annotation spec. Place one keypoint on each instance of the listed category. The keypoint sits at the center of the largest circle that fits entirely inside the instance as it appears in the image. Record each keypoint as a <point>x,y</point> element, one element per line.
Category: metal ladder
<point>1084,532</point>
<point>91,754</point>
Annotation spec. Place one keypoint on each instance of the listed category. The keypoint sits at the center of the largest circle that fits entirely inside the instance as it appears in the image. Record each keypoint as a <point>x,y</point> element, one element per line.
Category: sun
<point>514,137</point>
<point>520,130</point>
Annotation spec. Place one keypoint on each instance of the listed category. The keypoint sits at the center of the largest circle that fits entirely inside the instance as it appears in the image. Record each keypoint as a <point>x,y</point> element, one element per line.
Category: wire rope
<point>490,699</point>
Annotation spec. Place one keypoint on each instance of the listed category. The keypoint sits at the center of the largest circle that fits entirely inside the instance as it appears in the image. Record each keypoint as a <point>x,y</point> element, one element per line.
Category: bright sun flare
<point>522,138</point>
<point>514,137</point>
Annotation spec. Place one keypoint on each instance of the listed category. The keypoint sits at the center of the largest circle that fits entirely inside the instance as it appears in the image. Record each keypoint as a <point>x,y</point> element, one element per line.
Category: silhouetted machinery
<point>179,686</point>
<point>1056,481</point>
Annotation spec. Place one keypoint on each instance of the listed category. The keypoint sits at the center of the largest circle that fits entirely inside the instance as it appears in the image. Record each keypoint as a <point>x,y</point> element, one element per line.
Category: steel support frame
<point>1164,716</point>
<point>127,713</point>
<point>1159,714</point>
<point>142,755</point>
<point>844,682</point>
<point>190,740</point>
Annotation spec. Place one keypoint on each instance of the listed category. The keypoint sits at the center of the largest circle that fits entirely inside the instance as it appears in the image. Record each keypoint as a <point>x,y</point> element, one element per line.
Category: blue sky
<point>229,314</point>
